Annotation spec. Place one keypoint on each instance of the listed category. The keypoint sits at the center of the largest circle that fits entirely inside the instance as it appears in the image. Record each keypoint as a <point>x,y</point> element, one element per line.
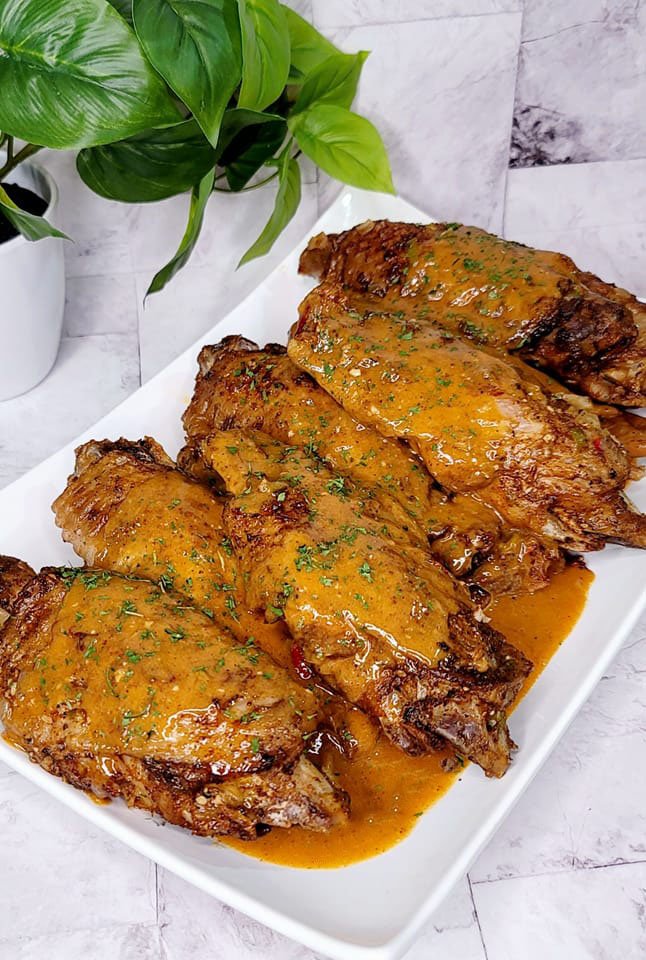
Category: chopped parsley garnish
<point>337,486</point>
<point>305,558</point>
<point>227,546</point>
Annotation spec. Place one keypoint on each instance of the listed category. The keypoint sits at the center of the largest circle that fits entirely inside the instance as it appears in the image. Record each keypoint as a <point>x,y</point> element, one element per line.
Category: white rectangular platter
<point>371,910</point>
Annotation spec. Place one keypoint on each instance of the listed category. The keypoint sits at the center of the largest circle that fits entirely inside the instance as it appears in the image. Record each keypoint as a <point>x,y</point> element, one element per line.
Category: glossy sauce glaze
<point>373,771</point>
<point>125,668</point>
<point>491,290</point>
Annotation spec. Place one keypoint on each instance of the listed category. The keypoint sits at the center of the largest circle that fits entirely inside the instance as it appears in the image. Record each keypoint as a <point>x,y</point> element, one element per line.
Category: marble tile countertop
<point>523,117</point>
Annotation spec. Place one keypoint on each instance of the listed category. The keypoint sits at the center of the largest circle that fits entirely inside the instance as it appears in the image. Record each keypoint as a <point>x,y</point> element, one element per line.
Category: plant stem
<point>9,149</point>
<point>254,186</point>
<point>12,161</point>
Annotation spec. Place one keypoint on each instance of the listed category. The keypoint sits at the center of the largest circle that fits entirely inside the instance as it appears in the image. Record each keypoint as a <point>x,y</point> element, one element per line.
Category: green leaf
<point>333,81</point>
<point>150,166</point>
<point>29,225</point>
<point>195,45</point>
<point>309,47</point>
<point>124,7</point>
<point>265,52</point>
<point>73,75</point>
<point>249,150</point>
<point>344,145</point>
<point>287,201</point>
<point>236,120</point>
<point>199,199</point>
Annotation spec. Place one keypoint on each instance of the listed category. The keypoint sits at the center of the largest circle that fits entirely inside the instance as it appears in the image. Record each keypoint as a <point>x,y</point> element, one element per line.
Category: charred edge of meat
<point>210,354</point>
<point>30,608</point>
<point>14,576</point>
<point>317,257</point>
<point>578,336</point>
<point>270,520</point>
<point>462,707</point>
<point>478,594</point>
<point>146,450</point>
<point>473,645</point>
<point>472,726</point>
<point>245,807</point>
<point>619,521</point>
<point>463,699</point>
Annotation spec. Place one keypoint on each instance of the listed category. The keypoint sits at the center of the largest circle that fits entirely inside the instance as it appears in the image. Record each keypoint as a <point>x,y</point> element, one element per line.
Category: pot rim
<point>51,206</point>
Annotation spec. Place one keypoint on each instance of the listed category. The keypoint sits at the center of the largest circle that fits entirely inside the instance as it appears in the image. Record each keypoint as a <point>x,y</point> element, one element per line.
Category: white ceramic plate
<point>372,910</point>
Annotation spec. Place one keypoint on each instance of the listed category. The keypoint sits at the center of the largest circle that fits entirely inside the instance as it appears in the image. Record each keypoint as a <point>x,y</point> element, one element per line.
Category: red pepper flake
<point>302,668</point>
<point>597,443</point>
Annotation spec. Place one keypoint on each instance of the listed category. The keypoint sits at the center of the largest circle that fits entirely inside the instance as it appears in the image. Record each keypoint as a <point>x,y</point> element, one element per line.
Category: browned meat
<point>540,461</point>
<point>126,508</point>
<point>14,574</point>
<point>239,385</point>
<point>127,691</point>
<point>588,333</point>
<point>629,429</point>
<point>373,615</point>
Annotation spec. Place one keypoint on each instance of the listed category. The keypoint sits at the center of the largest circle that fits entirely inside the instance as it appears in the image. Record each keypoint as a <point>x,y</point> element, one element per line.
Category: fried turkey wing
<point>239,385</point>
<point>377,618</point>
<point>541,462</point>
<point>127,509</point>
<point>589,334</point>
<point>127,691</point>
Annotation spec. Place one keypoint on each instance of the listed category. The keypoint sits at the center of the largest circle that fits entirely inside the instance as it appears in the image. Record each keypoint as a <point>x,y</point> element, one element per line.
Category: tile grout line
<point>475,914</point>
<point>511,124</point>
<point>156,894</point>
<point>580,868</point>
<point>114,925</point>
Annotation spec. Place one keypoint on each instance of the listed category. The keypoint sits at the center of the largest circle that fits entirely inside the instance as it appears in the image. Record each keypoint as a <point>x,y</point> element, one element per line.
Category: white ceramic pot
<point>32,294</point>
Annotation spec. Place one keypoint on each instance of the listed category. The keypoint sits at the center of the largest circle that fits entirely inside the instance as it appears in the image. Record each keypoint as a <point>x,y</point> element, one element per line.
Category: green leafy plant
<point>162,97</point>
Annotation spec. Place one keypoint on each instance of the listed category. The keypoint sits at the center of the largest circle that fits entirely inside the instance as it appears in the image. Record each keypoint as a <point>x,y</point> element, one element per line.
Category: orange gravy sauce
<point>390,790</point>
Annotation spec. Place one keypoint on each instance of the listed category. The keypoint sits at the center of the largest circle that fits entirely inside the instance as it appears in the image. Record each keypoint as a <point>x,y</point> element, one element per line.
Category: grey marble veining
<point>351,13</point>
<point>59,875</point>
<point>128,942</point>
<point>564,877</point>
<point>576,814</point>
<point>581,80</point>
<point>193,925</point>
<point>447,132</point>
<point>580,915</point>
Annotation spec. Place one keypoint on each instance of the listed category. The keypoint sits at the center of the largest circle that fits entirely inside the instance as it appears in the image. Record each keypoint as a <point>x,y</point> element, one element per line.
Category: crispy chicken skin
<point>541,462</point>
<point>589,334</point>
<point>126,508</point>
<point>375,616</point>
<point>127,691</point>
<point>239,385</point>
